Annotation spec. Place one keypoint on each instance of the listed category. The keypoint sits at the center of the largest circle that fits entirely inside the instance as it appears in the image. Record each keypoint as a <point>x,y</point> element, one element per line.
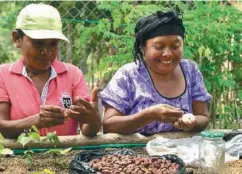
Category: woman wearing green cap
<point>40,90</point>
<point>160,91</point>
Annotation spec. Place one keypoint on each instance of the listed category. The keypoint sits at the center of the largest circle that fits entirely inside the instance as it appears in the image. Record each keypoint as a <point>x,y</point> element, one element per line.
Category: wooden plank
<point>111,138</point>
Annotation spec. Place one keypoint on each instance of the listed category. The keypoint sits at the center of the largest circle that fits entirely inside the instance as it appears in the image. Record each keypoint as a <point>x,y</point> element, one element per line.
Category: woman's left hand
<point>186,122</point>
<point>83,111</point>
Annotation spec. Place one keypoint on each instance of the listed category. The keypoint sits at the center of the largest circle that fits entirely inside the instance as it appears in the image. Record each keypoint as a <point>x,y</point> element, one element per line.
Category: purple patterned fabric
<point>131,90</point>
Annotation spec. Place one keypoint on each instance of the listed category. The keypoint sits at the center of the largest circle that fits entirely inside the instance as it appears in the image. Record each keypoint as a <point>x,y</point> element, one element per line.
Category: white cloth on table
<point>188,148</point>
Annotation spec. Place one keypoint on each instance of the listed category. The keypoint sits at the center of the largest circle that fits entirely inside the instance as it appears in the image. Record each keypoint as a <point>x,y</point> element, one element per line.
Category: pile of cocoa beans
<point>127,164</point>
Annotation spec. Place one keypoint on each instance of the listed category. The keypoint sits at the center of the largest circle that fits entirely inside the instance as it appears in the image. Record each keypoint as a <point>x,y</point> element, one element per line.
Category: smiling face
<point>163,53</point>
<point>38,53</point>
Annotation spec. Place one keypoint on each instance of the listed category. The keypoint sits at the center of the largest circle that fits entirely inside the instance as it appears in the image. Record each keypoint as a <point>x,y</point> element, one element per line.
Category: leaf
<point>54,151</point>
<point>1,138</point>
<point>47,171</point>
<point>34,136</point>
<point>64,151</point>
<point>239,94</point>
<point>227,109</point>
<point>24,140</point>
<point>207,52</point>
<point>200,51</point>
<point>52,137</point>
<point>21,136</point>
<point>28,152</point>
<point>1,147</point>
<point>35,128</point>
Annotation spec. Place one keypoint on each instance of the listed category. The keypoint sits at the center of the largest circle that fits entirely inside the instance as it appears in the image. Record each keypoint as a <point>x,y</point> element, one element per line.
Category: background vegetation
<point>102,34</point>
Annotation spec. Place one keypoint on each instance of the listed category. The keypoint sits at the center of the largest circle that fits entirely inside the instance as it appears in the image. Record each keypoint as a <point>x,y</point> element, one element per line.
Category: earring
<point>42,52</point>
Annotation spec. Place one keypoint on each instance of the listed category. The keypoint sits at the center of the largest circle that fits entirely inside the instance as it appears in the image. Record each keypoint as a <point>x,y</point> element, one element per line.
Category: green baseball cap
<point>40,21</point>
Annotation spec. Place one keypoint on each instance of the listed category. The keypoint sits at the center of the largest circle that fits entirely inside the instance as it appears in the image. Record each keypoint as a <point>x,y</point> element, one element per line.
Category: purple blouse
<point>131,90</point>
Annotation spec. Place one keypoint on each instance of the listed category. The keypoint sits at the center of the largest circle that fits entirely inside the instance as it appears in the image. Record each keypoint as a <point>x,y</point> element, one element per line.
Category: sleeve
<point>4,97</point>
<point>199,91</point>
<point>79,85</point>
<point>117,92</point>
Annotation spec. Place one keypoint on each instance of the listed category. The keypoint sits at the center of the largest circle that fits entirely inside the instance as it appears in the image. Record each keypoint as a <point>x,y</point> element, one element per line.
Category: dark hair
<point>160,23</point>
<point>20,33</point>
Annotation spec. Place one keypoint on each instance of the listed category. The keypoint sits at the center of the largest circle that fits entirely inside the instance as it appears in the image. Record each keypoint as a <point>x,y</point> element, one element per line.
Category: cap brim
<point>45,34</point>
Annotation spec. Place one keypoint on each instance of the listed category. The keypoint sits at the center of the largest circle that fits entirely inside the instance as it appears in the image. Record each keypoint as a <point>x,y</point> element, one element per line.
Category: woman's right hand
<point>49,116</point>
<point>165,113</point>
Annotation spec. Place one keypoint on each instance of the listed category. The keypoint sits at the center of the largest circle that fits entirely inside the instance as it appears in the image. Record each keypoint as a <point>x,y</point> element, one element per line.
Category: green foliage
<point>29,135</point>
<point>32,134</point>
<point>240,95</point>
<point>28,155</point>
<point>3,150</point>
<point>8,14</point>
<point>1,138</point>
<point>115,33</point>
<point>51,137</point>
<point>56,152</point>
<point>45,171</point>
<point>213,39</point>
<point>103,42</point>
<point>1,141</point>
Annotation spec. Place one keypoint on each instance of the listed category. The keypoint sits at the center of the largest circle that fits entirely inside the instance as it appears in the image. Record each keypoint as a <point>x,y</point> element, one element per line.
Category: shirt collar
<point>17,67</point>
<point>53,73</point>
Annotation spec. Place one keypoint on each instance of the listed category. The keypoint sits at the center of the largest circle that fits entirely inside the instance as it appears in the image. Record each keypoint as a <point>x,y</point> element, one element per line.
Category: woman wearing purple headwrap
<point>153,93</point>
